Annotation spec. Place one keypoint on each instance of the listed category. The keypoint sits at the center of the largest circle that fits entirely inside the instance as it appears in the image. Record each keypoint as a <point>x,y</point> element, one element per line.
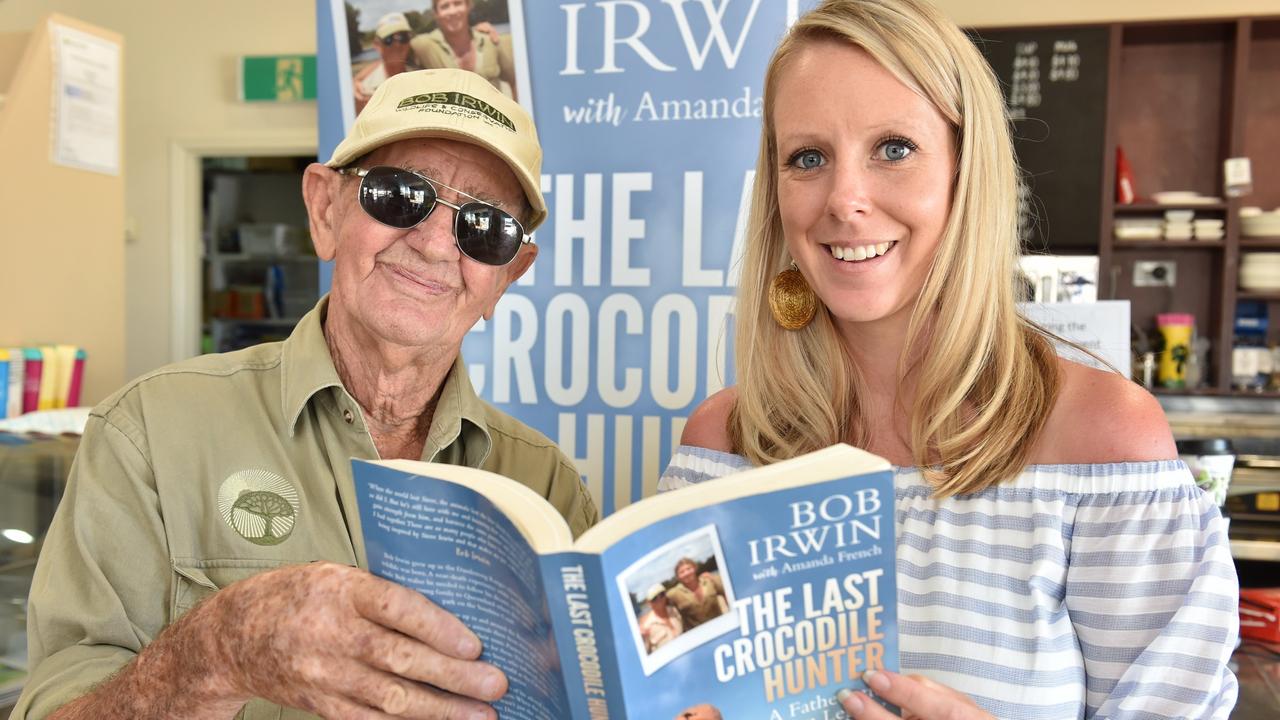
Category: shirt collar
<point>307,368</point>
<point>459,414</point>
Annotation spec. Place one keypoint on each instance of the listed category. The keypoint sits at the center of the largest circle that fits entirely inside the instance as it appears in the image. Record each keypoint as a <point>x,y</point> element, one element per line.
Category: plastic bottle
<point>1176,329</point>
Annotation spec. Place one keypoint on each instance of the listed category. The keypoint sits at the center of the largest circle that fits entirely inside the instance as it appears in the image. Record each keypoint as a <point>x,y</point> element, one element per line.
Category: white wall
<point>62,265</point>
<point>180,84</point>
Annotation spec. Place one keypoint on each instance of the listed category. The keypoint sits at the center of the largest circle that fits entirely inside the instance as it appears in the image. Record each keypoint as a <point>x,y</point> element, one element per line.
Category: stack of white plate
<point>1183,197</point>
<point>1208,229</point>
<point>1257,224</point>
<point>1139,228</point>
<point>1260,271</point>
<point>1177,224</point>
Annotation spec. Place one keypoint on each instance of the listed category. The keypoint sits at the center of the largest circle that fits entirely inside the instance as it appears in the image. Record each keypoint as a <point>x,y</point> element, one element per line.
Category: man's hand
<point>325,638</point>
<point>919,697</point>
<point>339,642</point>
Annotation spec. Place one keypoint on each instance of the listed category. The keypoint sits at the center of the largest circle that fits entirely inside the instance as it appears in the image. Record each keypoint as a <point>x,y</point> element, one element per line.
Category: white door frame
<point>186,250</point>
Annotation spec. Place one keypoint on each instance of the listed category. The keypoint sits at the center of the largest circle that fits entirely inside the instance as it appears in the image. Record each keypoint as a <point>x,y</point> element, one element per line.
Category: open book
<point>760,594</point>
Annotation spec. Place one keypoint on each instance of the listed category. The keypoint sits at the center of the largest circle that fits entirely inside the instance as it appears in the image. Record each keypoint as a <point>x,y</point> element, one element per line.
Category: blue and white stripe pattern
<point>1072,591</point>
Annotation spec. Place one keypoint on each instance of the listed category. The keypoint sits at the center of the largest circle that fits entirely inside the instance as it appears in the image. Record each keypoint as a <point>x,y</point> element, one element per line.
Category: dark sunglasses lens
<point>397,38</point>
<point>487,234</point>
<point>396,197</point>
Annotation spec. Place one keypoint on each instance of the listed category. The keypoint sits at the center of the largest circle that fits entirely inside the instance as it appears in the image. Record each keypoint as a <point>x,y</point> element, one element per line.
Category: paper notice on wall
<point>1102,328</point>
<point>86,100</point>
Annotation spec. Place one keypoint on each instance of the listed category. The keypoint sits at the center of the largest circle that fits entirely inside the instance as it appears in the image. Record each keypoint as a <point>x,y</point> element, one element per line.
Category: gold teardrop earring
<point>791,299</point>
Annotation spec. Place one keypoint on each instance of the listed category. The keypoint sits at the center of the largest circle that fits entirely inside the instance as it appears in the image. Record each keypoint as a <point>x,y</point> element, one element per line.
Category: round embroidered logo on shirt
<point>259,505</point>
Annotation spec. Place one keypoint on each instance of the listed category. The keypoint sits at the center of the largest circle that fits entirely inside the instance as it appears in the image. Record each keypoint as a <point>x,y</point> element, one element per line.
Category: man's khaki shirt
<point>145,530</point>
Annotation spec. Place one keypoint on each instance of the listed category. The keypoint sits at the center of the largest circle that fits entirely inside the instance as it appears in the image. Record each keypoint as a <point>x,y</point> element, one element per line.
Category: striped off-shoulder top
<point>1072,591</point>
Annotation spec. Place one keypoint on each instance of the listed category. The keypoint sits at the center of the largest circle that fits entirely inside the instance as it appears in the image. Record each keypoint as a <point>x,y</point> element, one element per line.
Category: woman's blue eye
<point>807,159</point>
<point>897,150</point>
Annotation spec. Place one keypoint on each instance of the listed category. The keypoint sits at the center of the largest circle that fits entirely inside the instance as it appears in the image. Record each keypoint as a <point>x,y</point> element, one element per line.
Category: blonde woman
<point>1055,559</point>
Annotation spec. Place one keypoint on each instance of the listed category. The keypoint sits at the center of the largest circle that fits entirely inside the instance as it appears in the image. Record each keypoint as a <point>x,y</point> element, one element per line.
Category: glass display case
<point>33,473</point>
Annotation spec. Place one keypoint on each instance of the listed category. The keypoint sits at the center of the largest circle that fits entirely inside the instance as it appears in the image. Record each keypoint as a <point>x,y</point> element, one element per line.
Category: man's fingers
<point>409,612</point>
<point>402,698</point>
<point>410,659</point>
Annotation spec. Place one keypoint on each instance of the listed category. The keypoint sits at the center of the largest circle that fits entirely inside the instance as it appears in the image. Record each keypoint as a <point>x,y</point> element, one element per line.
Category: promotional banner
<point>649,116</point>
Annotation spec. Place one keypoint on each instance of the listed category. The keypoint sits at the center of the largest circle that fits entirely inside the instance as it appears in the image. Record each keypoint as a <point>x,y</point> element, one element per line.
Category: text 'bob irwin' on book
<point>809,636</point>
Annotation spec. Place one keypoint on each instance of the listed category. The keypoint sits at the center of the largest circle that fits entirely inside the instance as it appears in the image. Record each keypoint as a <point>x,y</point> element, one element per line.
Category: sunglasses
<point>394,38</point>
<point>402,198</point>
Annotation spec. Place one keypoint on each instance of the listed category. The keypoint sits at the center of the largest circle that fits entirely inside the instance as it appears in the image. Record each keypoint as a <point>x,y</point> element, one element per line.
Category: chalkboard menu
<point>1055,86</point>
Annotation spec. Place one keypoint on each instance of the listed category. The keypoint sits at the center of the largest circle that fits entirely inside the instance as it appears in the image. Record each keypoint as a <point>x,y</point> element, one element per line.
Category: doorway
<point>260,274</point>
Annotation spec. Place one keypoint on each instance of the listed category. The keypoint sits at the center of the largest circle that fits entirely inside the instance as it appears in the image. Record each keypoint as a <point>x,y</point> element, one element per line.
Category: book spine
<point>31,383</point>
<point>17,365</point>
<point>77,379</point>
<point>584,635</point>
<point>48,378</point>
<point>66,360</point>
<point>4,383</point>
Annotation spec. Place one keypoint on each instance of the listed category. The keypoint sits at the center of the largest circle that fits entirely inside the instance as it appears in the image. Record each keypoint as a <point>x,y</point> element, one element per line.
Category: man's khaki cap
<point>453,104</point>
<point>392,23</point>
<point>655,592</point>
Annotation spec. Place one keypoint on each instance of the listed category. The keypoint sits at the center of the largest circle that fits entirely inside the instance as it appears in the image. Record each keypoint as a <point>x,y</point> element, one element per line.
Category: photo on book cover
<point>382,38</point>
<point>679,597</point>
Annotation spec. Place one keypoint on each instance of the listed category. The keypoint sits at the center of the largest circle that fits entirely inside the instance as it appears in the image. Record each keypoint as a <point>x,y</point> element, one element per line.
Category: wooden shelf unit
<point>1182,96</point>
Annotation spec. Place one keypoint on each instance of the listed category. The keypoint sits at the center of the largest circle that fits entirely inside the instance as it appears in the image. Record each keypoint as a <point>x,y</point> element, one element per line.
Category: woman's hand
<point>919,697</point>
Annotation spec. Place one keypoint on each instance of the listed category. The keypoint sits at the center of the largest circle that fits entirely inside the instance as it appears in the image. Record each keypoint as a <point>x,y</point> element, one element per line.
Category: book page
<point>530,513</point>
<point>454,546</point>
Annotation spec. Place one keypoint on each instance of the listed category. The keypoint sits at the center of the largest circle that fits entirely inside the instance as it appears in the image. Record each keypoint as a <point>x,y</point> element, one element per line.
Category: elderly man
<point>391,39</point>
<point>424,210</point>
<point>662,623</point>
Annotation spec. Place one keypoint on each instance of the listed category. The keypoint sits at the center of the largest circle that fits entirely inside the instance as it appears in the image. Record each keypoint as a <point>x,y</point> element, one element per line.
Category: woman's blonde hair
<point>987,378</point>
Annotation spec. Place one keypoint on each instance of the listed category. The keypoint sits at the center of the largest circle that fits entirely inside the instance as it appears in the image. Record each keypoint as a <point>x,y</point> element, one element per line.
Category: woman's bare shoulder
<point>1103,417</point>
<point>708,426</point>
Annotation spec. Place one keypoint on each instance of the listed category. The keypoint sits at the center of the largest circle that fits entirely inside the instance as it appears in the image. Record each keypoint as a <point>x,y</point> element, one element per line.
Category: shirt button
<point>347,416</point>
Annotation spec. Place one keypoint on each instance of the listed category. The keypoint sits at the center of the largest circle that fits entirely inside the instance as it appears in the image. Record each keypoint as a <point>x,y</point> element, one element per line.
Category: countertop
<point>1258,670</point>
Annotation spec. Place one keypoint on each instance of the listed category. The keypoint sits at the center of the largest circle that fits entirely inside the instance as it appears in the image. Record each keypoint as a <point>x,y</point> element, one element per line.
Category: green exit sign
<point>277,78</point>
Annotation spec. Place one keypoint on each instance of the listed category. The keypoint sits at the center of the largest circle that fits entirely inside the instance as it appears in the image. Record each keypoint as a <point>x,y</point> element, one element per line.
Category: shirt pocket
<point>196,580</point>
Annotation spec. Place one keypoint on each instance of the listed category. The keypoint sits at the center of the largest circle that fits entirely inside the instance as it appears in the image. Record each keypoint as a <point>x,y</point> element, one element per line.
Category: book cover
<point>17,374</point>
<point>31,381</point>
<point>760,594</point>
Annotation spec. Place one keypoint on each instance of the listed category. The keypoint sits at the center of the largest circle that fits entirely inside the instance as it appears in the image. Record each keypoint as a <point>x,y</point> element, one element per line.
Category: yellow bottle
<point>1176,329</point>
